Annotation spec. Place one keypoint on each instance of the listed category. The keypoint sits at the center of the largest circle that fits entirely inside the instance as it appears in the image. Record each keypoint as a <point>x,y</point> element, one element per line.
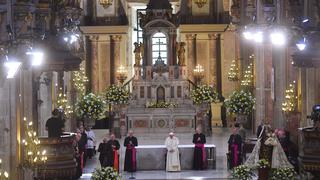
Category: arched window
<point>159,47</point>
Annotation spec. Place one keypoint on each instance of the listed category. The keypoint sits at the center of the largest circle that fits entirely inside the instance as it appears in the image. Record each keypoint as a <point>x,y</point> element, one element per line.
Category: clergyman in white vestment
<point>173,161</point>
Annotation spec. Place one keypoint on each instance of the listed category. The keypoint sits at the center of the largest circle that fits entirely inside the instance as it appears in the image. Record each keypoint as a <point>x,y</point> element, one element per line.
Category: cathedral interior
<point>257,59</point>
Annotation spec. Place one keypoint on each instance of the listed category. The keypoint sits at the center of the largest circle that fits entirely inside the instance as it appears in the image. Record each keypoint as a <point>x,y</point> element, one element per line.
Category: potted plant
<point>240,103</point>
<point>89,108</point>
<point>105,173</point>
<point>285,173</point>
<point>204,94</point>
<point>242,172</point>
<point>263,169</point>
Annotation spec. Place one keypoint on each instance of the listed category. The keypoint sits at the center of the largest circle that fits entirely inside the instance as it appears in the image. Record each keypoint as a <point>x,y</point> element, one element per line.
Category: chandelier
<point>200,3</point>
<point>198,73</point>
<point>106,3</point>
<point>122,74</point>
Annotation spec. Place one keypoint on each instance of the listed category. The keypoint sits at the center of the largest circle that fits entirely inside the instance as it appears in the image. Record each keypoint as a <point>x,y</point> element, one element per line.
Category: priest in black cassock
<point>130,142</point>
<point>199,158</point>
<point>112,153</point>
<point>235,150</point>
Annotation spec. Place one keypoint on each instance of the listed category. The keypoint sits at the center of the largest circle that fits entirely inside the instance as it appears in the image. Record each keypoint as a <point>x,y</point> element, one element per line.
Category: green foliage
<point>161,105</point>
<point>90,106</point>
<point>204,94</point>
<point>117,95</point>
<point>283,174</point>
<point>107,173</point>
<point>240,102</point>
<point>263,163</point>
<point>242,172</point>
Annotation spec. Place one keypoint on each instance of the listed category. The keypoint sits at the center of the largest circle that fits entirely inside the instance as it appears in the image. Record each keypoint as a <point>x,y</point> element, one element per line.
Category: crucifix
<point>159,43</point>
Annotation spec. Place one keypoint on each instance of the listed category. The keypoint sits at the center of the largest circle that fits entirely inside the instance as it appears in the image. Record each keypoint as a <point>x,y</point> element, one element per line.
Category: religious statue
<point>138,51</point>
<point>180,50</point>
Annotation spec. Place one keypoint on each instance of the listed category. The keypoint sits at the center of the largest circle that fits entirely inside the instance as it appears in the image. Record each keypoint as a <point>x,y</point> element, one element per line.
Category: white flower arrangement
<point>204,94</point>
<point>161,105</point>
<point>117,95</point>
<point>107,173</point>
<point>90,106</point>
<point>240,102</point>
<point>243,172</point>
<point>283,174</point>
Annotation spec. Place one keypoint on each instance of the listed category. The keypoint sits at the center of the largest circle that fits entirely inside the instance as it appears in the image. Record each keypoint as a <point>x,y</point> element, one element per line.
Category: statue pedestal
<point>137,72</point>
<point>183,72</point>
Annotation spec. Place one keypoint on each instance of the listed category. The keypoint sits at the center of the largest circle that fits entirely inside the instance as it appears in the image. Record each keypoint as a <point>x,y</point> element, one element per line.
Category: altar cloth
<point>152,157</point>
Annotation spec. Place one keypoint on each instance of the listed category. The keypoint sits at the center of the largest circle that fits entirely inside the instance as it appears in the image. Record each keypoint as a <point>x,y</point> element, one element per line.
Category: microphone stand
<point>131,173</point>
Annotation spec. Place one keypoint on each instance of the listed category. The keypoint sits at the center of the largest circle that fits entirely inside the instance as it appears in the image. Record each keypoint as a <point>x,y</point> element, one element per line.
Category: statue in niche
<point>268,2</point>
<point>160,94</point>
<point>180,50</point>
<point>138,53</point>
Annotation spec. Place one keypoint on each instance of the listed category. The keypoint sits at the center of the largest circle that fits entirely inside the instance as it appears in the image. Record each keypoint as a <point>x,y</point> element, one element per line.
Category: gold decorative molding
<point>191,36</point>
<point>202,28</point>
<point>94,37</point>
<point>104,29</point>
<point>213,36</point>
<point>116,38</point>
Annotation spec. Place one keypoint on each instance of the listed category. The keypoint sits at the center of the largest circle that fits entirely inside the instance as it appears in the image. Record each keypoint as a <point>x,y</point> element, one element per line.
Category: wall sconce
<point>200,3</point>
<point>105,3</point>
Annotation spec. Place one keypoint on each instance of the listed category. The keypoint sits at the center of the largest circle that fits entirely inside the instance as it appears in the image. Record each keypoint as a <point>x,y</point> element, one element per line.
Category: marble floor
<point>219,138</point>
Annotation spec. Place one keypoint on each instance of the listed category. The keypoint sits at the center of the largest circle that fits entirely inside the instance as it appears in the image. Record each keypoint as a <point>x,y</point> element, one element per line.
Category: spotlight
<point>305,20</point>
<point>302,44</point>
<point>247,35</point>
<point>258,37</point>
<point>13,67</point>
<point>37,58</point>
<point>278,38</point>
<point>73,38</point>
<point>66,39</point>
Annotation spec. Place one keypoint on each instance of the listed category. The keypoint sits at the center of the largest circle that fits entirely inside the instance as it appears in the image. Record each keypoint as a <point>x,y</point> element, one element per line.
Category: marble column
<point>115,60</point>
<point>94,64</point>
<point>191,56</point>
<point>172,54</point>
<point>213,59</point>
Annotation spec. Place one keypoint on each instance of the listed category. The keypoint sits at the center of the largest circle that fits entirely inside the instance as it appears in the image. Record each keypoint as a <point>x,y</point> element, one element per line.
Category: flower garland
<point>283,174</point>
<point>33,154</point>
<point>105,173</point>
<point>161,105</point>
<point>117,95</point>
<point>233,74</point>
<point>242,172</point>
<point>62,103</point>
<point>240,102</point>
<point>80,80</point>
<point>204,94</point>
<point>289,103</point>
<point>90,106</point>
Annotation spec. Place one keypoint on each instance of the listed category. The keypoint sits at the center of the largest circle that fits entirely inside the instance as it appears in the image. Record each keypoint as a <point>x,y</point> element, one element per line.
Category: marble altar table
<point>152,157</point>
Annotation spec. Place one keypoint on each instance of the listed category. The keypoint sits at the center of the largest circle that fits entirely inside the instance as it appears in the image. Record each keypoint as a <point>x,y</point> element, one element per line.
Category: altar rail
<point>153,157</point>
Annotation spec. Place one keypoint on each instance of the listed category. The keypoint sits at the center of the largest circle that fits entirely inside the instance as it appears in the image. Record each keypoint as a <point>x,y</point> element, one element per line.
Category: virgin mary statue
<point>268,147</point>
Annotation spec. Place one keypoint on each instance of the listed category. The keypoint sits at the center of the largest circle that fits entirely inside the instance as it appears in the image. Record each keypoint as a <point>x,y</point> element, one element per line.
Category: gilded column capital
<point>93,37</point>
<point>116,38</point>
<point>191,36</point>
<point>213,36</point>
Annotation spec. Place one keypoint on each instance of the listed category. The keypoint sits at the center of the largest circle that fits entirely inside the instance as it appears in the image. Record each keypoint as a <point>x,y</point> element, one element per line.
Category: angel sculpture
<point>180,50</point>
<point>139,52</point>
